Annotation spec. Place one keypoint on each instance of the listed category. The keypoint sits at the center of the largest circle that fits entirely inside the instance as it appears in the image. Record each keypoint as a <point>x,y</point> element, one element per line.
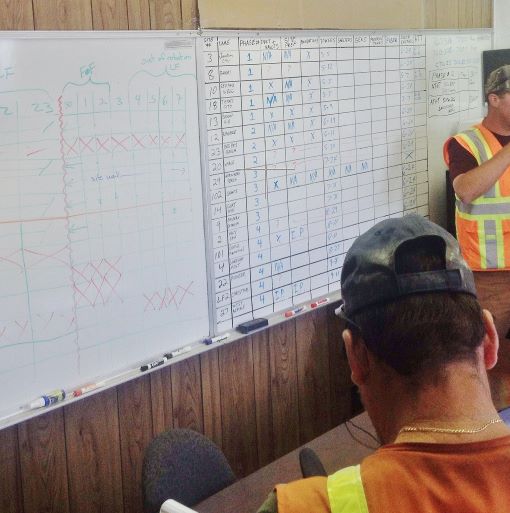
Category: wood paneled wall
<point>98,14</point>
<point>258,398</point>
<point>447,14</point>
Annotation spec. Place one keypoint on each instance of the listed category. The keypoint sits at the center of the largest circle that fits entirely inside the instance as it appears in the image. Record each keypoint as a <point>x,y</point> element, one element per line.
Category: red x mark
<point>45,256</point>
<point>138,142</point>
<point>120,143</point>
<point>180,140</point>
<point>158,301</point>
<point>86,144</point>
<point>70,146</point>
<point>102,145</point>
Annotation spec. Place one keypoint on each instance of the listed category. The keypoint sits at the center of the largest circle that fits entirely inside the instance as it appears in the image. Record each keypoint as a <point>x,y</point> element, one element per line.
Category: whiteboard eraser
<point>171,506</point>
<point>254,324</point>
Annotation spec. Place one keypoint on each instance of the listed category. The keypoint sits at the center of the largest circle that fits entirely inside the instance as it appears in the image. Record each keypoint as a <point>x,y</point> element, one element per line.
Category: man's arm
<point>471,184</point>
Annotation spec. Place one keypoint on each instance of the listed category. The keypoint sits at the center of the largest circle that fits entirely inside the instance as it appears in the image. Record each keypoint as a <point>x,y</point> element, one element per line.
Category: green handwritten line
<point>46,128</point>
<point>26,279</point>
<point>40,341</point>
<point>46,167</point>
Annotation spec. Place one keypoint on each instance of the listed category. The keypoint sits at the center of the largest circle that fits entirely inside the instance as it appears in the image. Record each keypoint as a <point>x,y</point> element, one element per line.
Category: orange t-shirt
<point>439,478</point>
<point>419,478</point>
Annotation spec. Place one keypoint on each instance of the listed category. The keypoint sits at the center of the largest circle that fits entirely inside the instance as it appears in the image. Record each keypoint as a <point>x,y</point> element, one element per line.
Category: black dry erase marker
<point>151,365</point>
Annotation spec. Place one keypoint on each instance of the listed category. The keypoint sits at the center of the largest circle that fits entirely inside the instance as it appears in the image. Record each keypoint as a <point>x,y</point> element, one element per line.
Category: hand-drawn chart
<point>102,257</point>
<point>454,84</point>
<point>311,140</point>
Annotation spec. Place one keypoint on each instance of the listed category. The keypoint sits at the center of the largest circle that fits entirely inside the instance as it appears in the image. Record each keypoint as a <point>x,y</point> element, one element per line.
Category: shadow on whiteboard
<point>171,506</point>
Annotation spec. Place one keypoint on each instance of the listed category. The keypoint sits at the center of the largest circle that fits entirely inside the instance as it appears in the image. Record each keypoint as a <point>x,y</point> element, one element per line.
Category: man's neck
<point>458,400</point>
<point>496,124</point>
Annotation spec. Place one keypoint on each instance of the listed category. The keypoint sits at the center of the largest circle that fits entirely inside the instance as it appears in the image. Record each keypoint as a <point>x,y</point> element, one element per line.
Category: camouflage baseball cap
<point>498,81</point>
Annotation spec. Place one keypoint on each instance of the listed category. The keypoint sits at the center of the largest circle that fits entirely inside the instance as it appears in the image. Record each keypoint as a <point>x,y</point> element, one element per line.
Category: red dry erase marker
<point>319,302</point>
<point>290,313</point>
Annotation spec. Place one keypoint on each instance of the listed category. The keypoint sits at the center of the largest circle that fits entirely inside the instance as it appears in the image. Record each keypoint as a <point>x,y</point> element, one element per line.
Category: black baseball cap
<point>370,274</point>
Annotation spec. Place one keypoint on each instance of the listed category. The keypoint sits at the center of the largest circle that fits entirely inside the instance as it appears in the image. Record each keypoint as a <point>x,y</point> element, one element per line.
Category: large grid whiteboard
<point>117,242</point>
<point>311,140</point>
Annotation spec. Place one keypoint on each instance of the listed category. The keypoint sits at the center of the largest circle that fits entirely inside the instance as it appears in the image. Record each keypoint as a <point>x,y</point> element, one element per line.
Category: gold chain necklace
<point>453,431</point>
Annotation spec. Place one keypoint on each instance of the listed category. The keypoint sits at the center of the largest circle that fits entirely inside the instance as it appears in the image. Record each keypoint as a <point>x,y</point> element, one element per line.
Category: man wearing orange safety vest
<point>419,346</point>
<point>478,160</point>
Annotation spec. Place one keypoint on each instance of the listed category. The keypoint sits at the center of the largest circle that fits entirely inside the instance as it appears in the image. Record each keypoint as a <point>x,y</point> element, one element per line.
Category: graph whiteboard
<point>102,253</point>
<point>312,138</point>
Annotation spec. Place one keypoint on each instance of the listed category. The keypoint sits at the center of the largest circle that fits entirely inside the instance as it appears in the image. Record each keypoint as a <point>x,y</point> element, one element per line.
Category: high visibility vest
<point>483,226</point>
<point>343,493</point>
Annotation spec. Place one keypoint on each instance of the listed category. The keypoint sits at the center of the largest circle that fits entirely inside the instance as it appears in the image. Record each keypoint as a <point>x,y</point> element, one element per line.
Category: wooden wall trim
<point>313,375</point>
<point>138,12</point>
<point>43,464</point>
<point>135,429</point>
<point>284,396</point>
<point>94,454</point>
<point>211,396</point>
<point>262,401</point>
<point>62,14</point>
<point>109,14</point>
<point>11,493</point>
<point>16,15</point>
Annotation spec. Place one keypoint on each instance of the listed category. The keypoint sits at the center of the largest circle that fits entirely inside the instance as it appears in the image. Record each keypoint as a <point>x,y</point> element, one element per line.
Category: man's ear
<point>493,99</point>
<point>490,341</point>
<point>357,357</point>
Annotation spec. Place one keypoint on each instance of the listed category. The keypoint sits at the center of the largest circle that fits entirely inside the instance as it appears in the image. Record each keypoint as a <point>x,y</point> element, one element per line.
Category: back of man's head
<point>411,297</point>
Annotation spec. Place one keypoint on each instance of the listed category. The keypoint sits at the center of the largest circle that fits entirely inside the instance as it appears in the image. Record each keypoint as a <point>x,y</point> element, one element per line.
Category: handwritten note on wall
<point>454,74</point>
<point>455,100</point>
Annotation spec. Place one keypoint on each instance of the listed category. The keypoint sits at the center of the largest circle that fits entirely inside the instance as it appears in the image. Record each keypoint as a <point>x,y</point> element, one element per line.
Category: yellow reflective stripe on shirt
<point>345,491</point>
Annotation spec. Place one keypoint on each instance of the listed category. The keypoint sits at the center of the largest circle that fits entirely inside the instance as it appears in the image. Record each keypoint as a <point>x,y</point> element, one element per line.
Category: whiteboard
<point>312,138</point>
<point>102,247</point>
<point>455,99</point>
<point>158,188</point>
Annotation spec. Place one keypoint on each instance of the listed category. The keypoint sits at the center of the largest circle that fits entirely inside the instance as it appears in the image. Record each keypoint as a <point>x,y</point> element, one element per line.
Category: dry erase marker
<point>214,340</point>
<point>178,352</point>
<point>47,400</point>
<point>290,313</point>
<point>153,364</point>
<point>319,302</point>
<point>88,388</point>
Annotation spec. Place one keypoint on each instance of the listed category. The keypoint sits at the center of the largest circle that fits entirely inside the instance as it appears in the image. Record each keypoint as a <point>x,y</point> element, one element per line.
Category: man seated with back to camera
<point>419,346</point>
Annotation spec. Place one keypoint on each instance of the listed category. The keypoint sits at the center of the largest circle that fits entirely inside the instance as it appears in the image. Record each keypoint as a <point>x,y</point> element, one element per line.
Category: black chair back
<point>183,465</point>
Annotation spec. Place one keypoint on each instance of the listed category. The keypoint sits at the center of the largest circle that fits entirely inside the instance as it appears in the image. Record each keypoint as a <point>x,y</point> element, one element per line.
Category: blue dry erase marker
<point>214,340</point>
<point>47,400</point>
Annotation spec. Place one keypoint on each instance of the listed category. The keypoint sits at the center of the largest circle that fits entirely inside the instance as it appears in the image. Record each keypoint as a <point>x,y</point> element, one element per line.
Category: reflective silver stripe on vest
<point>483,209</point>
<point>491,244</point>
<point>473,136</point>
